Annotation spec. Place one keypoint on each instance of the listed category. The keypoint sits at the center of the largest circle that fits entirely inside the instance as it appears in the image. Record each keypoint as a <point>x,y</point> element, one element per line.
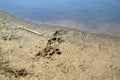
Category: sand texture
<point>40,52</point>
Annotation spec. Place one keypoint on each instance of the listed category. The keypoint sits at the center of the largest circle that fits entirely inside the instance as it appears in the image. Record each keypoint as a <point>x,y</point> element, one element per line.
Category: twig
<point>29,30</point>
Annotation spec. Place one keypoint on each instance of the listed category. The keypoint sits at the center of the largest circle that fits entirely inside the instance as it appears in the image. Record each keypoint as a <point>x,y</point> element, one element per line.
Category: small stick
<point>29,30</point>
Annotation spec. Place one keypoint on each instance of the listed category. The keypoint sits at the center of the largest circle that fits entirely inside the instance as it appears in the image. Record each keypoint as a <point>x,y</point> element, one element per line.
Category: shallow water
<point>92,15</point>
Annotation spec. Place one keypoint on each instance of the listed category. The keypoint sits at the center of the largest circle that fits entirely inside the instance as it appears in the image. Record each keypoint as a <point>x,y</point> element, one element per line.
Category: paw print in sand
<point>54,40</point>
<point>50,51</point>
<point>10,37</point>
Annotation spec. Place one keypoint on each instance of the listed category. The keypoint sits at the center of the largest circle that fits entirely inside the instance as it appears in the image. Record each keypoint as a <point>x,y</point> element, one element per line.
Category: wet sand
<point>30,51</point>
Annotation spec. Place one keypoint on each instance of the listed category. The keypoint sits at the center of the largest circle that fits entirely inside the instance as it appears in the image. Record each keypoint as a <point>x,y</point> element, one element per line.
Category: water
<point>91,15</point>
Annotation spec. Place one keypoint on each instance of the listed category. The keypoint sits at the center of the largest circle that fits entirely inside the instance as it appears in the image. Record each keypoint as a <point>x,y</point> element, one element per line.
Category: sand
<point>30,51</point>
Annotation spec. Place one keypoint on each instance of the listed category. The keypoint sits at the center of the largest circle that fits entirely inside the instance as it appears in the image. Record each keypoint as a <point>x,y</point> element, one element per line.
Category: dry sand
<point>55,53</point>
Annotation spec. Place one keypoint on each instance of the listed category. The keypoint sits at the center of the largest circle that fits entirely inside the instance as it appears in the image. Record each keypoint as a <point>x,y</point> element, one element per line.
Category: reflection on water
<point>90,13</point>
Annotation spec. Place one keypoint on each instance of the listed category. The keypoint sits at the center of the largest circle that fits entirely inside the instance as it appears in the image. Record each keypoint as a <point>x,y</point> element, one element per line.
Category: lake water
<point>92,15</point>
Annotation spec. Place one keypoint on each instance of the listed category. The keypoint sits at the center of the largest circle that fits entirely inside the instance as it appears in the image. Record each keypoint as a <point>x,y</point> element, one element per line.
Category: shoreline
<point>29,51</point>
<point>26,22</point>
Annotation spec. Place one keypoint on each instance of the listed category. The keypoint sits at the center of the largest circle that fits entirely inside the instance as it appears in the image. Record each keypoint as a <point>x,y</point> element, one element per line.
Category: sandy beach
<point>29,51</point>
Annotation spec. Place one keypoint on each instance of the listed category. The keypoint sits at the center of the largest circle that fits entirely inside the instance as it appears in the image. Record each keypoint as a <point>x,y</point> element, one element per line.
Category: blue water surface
<point>89,12</point>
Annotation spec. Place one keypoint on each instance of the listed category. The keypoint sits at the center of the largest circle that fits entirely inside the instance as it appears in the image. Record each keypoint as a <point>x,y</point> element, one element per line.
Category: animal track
<point>22,72</point>
<point>10,37</point>
<point>54,40</point>
<point>59,32</point>
<point>15,72</point>
<point>50,50</point>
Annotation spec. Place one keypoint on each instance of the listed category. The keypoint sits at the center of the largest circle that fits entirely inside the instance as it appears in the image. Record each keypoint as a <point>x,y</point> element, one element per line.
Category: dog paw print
<point>10,37</point>
<point>22,72</point>
<point>48,52</point>
<point>54,40</point>
<point>15,72</point>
